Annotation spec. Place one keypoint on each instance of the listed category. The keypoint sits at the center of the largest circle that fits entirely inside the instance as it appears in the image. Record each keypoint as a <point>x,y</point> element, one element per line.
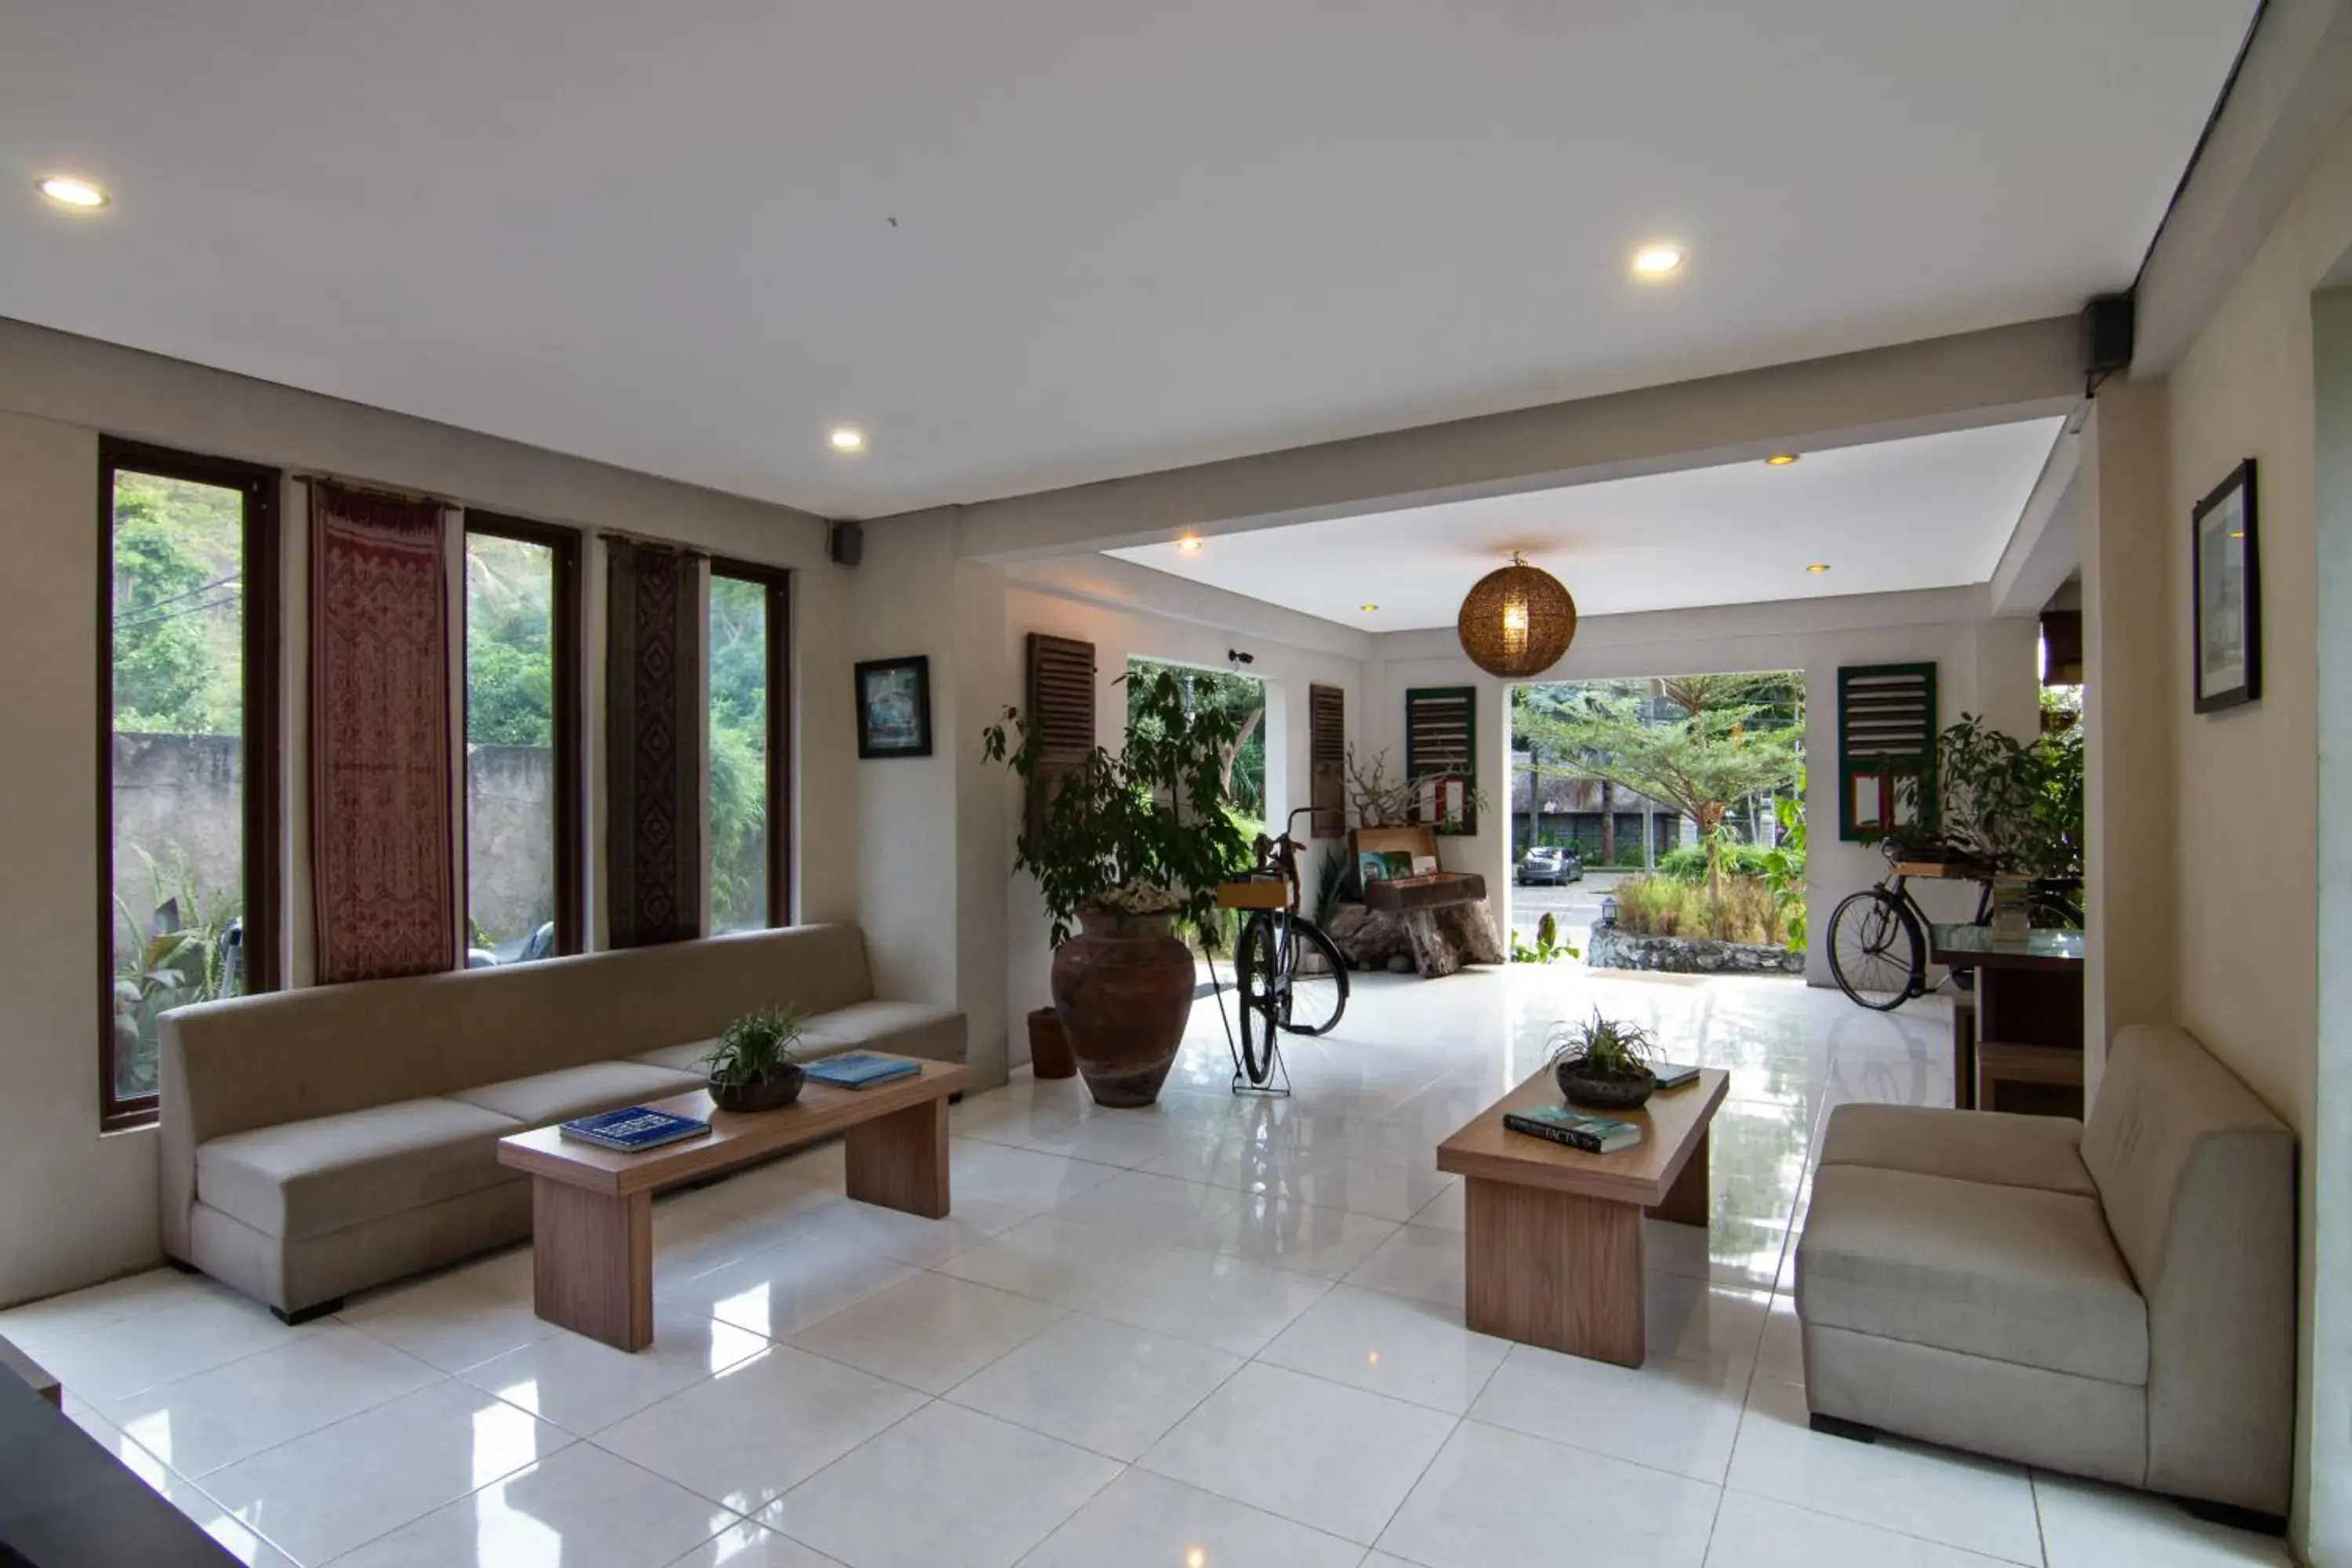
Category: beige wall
<point>2246,896</point>
<point>57,394</point>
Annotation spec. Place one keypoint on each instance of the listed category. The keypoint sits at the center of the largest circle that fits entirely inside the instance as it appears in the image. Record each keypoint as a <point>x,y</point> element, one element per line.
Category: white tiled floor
<point>1220,1331</point>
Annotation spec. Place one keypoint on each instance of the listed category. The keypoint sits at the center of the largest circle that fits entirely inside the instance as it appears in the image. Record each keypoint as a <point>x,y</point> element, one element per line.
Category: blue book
<point>861,1069</point>
<point>633,1128</point>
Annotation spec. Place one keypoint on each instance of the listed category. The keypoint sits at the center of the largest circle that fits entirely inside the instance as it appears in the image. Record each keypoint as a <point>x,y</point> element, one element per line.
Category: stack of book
<point>634,1128</point>
<point>861,1069</point>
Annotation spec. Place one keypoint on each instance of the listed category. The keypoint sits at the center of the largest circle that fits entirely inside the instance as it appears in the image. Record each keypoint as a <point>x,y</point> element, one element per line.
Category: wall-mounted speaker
<point>2107,326</point>
<point>847,544</point>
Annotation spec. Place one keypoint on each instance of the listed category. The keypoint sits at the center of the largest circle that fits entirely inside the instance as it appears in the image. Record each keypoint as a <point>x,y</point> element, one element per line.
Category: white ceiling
<point>1928,513</point>
<point>1128,234</point>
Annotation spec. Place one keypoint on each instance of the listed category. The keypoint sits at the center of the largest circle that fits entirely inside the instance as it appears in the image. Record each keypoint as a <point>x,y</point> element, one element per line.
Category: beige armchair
<point>2115,1299</point>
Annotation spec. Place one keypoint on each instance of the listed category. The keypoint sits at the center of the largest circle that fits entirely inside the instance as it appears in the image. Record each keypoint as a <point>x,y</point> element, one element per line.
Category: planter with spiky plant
<point>1603,1063</point>
<point>753,1067</point>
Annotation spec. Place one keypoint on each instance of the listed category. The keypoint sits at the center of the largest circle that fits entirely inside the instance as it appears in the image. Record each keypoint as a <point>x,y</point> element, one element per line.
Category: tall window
<point>187,749</point>
<point>522,773</point>
<point>749,816</point>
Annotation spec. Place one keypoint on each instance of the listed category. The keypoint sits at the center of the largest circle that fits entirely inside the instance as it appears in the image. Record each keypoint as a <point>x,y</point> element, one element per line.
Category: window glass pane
<point>178,765</point>
<point>739,754</point>
<point>510,792</point>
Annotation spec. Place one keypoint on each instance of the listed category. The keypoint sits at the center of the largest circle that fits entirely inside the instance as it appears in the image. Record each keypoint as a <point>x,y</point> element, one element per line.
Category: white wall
<point>1984,666</point>
<point>57,394</point>
<point>1048,598</point>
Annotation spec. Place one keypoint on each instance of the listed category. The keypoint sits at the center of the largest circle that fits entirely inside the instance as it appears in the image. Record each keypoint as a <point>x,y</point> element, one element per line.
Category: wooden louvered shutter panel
<point>1061,711</point>
<point>1441,740</point>
<point>1327,747</point>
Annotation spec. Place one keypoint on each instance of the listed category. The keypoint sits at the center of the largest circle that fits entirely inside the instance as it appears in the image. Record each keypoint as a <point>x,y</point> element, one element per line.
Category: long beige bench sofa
<point>2114,1300</point>
<point>317,1141</point>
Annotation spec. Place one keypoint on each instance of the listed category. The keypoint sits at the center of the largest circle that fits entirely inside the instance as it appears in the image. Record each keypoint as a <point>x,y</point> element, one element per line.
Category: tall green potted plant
<point>1122,847</point>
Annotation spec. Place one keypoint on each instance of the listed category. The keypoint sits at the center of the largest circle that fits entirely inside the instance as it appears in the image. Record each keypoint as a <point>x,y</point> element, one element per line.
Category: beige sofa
<point>317,1141</point>
<point>2114,1300</point>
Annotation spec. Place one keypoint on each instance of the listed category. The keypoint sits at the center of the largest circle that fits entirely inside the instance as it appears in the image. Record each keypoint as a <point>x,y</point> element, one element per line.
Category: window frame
<point>566,646</point>
<point>777,584</point>
<point>262,737</point>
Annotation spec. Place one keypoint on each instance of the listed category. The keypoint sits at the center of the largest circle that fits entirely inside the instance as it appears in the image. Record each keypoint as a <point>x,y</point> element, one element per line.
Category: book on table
<point>861,1069</point>
<point>1673,1075</point>
<point>1576,1129</point>
<point>633,1128</point>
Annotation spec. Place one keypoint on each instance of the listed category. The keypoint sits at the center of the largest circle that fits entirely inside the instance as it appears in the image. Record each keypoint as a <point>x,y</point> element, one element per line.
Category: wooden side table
<point>2024,1051</point>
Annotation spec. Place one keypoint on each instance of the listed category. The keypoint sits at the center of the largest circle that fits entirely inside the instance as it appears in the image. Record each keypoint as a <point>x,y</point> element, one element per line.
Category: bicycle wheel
<point>1257,985</point>
<point>1317,992</point>
<point>2054,912</point>
<point>1877,953</point>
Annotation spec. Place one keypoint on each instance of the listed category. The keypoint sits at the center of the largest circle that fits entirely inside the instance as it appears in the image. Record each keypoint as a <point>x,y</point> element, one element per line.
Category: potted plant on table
<point>1603,1064</point>
<point>1123,846</point>
<point>753,1067</point>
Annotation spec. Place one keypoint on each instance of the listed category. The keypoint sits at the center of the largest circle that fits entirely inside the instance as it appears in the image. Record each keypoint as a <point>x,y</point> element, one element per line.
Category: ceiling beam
<point>2293,87</point>
<point>2047,546</point>
<point>2026,371</point>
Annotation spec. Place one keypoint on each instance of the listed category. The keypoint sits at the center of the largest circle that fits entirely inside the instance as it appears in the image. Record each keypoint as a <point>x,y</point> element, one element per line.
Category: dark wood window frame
<point>566,648</point>
<point>262,738</point>
<point>777,580</point>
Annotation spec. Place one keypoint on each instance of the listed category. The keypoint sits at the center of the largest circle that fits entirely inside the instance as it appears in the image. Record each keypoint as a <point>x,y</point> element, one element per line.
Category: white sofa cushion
<point>558,1095</point>
<point>304,1179</point>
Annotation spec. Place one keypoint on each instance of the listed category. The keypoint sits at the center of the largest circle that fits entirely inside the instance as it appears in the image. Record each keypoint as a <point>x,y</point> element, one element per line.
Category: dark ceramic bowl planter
<point>1123,988</point>
<point>773,1092</point>
<point>1599,1092</point>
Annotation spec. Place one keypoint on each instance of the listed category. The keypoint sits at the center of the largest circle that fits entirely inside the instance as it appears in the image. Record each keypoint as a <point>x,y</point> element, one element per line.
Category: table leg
<point>593,1262</point>
<point>1555,1269</point>
<point>900,1160</point>
<point>1687,1201</point>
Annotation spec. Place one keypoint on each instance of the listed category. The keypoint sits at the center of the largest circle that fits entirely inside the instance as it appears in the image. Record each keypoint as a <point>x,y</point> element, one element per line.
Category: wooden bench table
<point>1555,1250</point>
<point>591,1229</point>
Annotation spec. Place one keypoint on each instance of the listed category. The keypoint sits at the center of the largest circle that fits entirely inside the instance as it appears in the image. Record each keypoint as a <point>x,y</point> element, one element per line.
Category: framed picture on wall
<point>894,707</point>
<point>2227,597</point>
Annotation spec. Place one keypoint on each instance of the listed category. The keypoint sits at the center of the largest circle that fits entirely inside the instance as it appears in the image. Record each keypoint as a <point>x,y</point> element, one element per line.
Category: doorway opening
<point>1659,823</point>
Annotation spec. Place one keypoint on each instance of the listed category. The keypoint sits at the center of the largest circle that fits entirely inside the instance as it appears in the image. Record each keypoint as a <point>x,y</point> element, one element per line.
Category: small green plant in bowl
<point>1603,1063</point>
<point>753,1067</point>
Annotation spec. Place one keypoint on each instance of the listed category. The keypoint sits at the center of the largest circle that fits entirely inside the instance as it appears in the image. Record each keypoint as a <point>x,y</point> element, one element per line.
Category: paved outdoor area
<point>1576,906</point>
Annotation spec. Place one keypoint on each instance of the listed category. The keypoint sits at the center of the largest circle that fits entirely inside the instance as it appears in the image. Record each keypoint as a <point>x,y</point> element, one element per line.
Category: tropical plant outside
<point>1739,909</point>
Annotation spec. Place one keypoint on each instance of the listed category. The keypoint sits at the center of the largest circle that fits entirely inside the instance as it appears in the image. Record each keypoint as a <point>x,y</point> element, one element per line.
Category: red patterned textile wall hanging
<point>383,890</point>
<point>653,744</point>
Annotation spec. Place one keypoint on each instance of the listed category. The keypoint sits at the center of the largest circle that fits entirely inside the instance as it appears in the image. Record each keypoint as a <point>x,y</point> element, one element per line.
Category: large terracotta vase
<point>1123,987</point>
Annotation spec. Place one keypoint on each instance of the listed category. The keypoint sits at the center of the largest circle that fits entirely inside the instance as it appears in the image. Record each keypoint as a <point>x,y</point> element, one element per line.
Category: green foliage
<point>738,751</point>
<point>1547,948</point>
<point>1736,736</point>
<point>1331,876</point>
<point>1784,866</point>
<point>178,652</point>
<point>757,1046</point>
<point>2009,805</point>
<point>1688,862</point>
<point>1603,1046</point>
<point>1742,908</point>
<point>1240,698</point>
<point>1147,831</point>
<point>510,630</point>
<point>180,956</point>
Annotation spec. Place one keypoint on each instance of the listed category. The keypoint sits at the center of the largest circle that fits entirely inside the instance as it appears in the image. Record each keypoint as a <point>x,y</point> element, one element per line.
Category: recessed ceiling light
<point>1368,609</point>
<point>847,438</point>
<point>1780,459</point>
<point>67,191</point>
<point>1190,544</point>
<point>1818,567</point>
<point>1657,261</point>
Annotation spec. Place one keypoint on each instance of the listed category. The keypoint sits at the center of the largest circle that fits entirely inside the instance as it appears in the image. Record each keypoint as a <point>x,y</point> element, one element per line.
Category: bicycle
<point>1878,937</point>
<point>1288,976</point>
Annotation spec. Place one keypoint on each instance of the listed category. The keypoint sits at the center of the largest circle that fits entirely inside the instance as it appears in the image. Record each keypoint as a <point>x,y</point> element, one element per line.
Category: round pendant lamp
<point>1516,622</point>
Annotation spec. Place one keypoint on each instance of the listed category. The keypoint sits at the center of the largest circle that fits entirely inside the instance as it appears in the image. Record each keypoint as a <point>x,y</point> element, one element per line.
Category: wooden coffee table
<point>592,1224</point>
<point>1555,1234</point>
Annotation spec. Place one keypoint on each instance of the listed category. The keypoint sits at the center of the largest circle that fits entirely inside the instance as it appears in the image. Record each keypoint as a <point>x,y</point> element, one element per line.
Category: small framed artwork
<point>894,707</point>
<point>2227,594</point>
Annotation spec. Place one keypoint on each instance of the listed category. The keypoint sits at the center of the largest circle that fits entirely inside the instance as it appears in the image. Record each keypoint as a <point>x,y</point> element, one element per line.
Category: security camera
<point>1236,658</point>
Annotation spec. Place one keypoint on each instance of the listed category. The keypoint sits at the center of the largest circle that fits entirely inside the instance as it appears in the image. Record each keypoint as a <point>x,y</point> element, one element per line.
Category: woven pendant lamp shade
<point>1516,622</point>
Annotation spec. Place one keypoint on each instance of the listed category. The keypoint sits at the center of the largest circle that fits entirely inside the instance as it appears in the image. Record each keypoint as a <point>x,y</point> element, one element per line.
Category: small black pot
<point>773,1092</point>
<point>1595,1092</point>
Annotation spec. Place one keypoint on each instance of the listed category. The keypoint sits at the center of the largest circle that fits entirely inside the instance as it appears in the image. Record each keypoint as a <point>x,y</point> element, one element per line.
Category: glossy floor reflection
<point>1223,1332</point>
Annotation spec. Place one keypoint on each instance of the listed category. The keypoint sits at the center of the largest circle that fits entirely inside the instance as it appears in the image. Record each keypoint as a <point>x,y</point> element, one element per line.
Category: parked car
<point>1546,866</point>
